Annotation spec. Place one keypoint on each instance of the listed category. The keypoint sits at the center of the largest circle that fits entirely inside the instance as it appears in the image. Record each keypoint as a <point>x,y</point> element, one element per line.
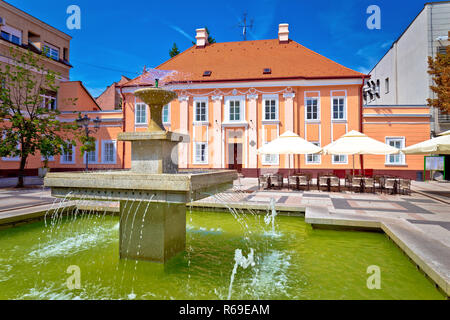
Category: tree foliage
<point>439,68</point>
<point>174,51</point>
<point>27,123</point>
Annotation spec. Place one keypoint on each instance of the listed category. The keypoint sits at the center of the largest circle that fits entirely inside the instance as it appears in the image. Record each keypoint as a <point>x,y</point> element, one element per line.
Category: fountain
<point>154,178</point>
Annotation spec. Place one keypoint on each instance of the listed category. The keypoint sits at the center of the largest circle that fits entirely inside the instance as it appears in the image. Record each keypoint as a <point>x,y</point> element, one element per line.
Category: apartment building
<point>21,30</point>
<point>400,79</point>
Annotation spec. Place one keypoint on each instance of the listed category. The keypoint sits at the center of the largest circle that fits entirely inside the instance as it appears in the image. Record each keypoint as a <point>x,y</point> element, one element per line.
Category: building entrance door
<point>234,154</point>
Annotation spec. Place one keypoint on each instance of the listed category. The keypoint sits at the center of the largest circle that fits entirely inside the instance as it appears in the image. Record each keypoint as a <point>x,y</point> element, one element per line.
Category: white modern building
<point>401,77</point>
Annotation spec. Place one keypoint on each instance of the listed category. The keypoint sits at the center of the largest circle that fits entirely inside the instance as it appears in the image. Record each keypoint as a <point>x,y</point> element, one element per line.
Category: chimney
<point>202,37</point>
<point>283,32</point>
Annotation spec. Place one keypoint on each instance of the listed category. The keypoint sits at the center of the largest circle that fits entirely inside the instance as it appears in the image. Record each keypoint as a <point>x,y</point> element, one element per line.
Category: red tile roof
<point>246,60</point>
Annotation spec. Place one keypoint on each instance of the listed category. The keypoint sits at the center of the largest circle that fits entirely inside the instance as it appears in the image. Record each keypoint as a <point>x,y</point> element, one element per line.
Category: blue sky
<point>121,37</point>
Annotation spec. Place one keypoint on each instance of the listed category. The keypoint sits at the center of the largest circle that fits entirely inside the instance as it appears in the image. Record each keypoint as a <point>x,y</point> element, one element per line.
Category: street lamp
<point>84,122</point>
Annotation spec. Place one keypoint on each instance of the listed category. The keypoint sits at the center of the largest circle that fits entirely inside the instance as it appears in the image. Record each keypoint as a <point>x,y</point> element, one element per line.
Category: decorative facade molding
<point>252,97</point>
<point>289,95</point>
<point>216,98</point>
<point>183,98</point>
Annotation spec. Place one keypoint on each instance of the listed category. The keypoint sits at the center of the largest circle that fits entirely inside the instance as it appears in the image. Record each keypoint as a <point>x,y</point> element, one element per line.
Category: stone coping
<point>20,217</point>
<point>156,135</point>
<point>430,255</point>
<point>128,180</point>
<point>281,209</point>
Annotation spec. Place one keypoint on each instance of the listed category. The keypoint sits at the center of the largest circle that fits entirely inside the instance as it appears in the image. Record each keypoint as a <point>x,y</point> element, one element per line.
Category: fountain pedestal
<point>154,152</point>
<point>153,194</point>
<point>153,231</point>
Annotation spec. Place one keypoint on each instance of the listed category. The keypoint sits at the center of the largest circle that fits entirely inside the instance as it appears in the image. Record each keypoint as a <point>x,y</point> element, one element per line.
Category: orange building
<point>234,97</point>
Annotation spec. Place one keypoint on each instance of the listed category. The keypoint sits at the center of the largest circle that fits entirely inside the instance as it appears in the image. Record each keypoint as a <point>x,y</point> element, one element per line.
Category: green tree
<point>28,123</point>
<point>174,51</point>
<point>439,68</point>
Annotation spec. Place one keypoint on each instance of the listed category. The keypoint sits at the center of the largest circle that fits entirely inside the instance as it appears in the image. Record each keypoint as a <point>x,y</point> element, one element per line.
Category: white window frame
<point>270,97</point>
<point>241,100</point>
<point>344,111</point>
<point>96,155</point>
<point>45,101</point>
<point>12,32</point>
<point>401,155</point>
<point>62,161</point>
<point>167,106</point>
<point>339,162</point>
<point>140,105</point>
<point>205,101</point>
<point>196,161</point>
<point>51,51</point>
<point>270,159</point>
<point>114,143</point>
<point>318,109</point>
<point>318,155</point>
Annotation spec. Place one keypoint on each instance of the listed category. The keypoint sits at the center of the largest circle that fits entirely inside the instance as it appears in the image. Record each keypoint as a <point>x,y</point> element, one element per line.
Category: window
<point>339,108</point>
<point>386,84</point>
<point>270,159</point>
<point>396,159</point>
<point>201,153</point>
<point>235,110</point>
<point>109,151</point>
<point>200,111</point>
<point>313,158</point>
<point>51,51</point>
<point>48,102</point>
<point>340,159</point>
<point>11,37</point>
<point>68,157</point>
<point>270,108</point>
<point>91,155</point>
<point>166,114</point>
<point>312,109</point>
<point>141,113</point>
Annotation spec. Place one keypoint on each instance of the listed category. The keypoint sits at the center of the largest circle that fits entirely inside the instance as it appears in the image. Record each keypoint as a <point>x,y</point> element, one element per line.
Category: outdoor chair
<point>390,185</point>
<point>276,181</point>
<point>304,181</point>
<point>335,182</point>
<point>323,182</point>
<point>348,181</point>
<point>293,182</point>
<point>264,182</point>
<point>369,183</point>
<point>356,184</point>
<point>405,186</point>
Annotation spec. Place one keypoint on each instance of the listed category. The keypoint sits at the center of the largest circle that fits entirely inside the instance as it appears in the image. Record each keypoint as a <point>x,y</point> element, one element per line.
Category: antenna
<point>245,26</point>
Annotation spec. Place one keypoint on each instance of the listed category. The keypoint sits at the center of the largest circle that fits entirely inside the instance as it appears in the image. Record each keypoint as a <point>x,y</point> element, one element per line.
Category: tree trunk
<point>21,175</point>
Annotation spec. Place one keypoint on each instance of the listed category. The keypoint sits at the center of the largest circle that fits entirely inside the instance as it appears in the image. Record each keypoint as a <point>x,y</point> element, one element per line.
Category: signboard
<point>434,163</point>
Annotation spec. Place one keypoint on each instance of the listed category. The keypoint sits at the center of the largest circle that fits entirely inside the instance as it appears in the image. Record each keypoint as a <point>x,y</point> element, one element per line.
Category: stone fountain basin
<point>128,185</point>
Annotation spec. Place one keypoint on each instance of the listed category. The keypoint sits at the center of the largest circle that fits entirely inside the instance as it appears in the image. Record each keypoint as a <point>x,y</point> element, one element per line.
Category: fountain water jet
<point>153,178</point>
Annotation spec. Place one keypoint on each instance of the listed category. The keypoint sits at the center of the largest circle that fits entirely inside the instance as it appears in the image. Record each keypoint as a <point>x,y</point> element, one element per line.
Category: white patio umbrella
<point>355,142</point>
<point>289,143</point>
<point>438,145</point>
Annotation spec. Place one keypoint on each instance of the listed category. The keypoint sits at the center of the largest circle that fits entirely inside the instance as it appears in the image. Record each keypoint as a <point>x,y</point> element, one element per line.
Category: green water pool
<point>295,262</point>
